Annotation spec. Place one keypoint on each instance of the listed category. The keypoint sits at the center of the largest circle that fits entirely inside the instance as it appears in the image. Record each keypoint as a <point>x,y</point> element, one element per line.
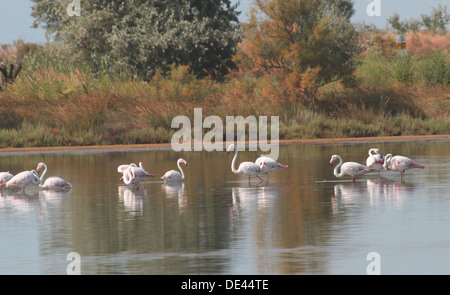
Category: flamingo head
<point>333,158</point>
<point>182,161</point>
<point>39,166</point>
<point>230,148</point>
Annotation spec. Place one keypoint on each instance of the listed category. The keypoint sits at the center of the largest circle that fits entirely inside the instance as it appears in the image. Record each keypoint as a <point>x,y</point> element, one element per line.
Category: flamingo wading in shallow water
<point>400,163</point>
<point>133,174</point>
<point>269,165</point>
<point>349,168</point>
<point>173,175</point>
<point>375,160</point>
<point>4,177</point>
<point>246,168</point>
<point>53,182</point>
<point>23,179</point>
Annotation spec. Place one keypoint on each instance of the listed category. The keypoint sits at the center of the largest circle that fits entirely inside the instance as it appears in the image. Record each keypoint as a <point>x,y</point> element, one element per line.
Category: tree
<point>146,35</point>
<point>438,20</point>
<point>311,41</point>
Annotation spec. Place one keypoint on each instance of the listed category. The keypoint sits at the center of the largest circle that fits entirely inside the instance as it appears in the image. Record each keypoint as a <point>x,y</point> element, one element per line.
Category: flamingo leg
<point>260,178</point>
<point>249,180</point>
<point>267,179</point>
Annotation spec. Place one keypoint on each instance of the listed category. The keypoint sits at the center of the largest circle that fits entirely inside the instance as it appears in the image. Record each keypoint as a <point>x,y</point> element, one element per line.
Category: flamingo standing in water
<point>132,174</point>
<point>400,163</point>
<point>53,182</point>
<point>349,168</point>
<point>4,177</point>
<point>268,165</point>
<point>246,168</point>
<point>173,175</point>
<point>375,160</point>
<point>23,179</point>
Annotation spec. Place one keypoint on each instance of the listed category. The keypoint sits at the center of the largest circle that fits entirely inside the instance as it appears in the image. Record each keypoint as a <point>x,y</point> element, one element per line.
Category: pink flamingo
<point>53,182</point>
<point>173,175</point>
<point>349,168</point>
<point>4,177</point>
<point>246,168</point>
<point>268,165</point>
<point>400,163</point>
<point>375,160</point>
<point>133,174</point>
<point>23,179</point>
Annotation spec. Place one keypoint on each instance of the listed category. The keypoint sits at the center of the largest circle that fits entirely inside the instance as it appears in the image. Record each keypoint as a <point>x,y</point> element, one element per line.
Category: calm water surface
<point>304,221</point>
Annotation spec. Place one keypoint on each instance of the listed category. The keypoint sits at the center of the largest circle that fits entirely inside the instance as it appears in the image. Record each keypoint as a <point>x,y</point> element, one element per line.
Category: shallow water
<point>304,221</point>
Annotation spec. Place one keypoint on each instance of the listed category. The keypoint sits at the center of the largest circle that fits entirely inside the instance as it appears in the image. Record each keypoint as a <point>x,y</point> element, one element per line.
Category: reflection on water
<point>305,221</point>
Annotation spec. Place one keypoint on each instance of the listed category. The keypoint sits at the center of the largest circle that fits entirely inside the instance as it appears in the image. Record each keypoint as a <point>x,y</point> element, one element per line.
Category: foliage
<point>142,36</point>
<point>436,22</point>
<point>312,42</point>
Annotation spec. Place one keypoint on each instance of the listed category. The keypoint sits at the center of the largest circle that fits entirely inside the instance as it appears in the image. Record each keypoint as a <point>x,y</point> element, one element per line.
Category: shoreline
<point>156,146</point>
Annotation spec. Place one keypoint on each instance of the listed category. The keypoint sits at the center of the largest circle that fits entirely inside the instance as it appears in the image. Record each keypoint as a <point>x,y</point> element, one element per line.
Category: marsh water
<point>304,221</point>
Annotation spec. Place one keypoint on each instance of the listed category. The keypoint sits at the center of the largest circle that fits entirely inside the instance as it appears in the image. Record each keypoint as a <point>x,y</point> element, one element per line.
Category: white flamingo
<point>52,182</point>
<point>400,163</point>
<point>349,168</point>
<point>246,168</point>
<point>268,165</point>
<point>23,179</point>
<point>4,177</point>
<point>174,175</point>
<point>133,174</point>
<point>375,160</point>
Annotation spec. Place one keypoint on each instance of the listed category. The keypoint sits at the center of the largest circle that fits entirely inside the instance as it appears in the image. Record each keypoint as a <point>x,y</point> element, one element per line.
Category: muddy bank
<point>167,146</point>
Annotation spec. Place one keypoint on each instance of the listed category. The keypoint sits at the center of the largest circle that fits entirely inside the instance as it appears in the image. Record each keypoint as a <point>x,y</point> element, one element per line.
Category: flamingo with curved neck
<point>52,182</point>
<point>400,163</point>
<point>268,165</point>
<point>174,175</point>
<point>353,169</point>
<point>246,168</point>
<point>23,179</point>
<point>132,174</point>
<point>375,160</point>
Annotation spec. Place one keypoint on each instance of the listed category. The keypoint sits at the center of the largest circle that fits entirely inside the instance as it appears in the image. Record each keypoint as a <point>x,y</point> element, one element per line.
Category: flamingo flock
<point>133,174</point>
<point>376,162</point>
<point>23,179</point>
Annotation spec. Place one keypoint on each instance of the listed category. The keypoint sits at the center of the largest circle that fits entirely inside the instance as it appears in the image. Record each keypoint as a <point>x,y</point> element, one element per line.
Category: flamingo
<point>375,160</point>
<point>23,179</point>
<point>123,167</point>
<point>174,175</point>
<point>53,182</point>
<point>268,165</point>
<point>400,163</point>
<point>350,168</point>
<point>4,177</point>
<point>133,174</point>
<point>246,168</point>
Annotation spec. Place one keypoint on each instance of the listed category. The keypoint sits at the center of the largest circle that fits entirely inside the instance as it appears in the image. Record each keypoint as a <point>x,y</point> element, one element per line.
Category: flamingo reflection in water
<point>176,190</point>
<point>133,200</point>
<point>378,192</point>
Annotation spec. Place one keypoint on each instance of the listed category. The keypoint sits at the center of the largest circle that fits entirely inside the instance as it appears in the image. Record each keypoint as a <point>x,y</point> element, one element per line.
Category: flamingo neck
<point>387,161</point>
<point>337,167</point>
<point>181,170</point>
<point>43,173</point>
<point>127,177</point>
<point>233,168</point>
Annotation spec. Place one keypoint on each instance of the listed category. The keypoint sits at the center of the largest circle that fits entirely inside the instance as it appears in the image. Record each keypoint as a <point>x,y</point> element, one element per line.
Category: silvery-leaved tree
<point>144,36</point>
